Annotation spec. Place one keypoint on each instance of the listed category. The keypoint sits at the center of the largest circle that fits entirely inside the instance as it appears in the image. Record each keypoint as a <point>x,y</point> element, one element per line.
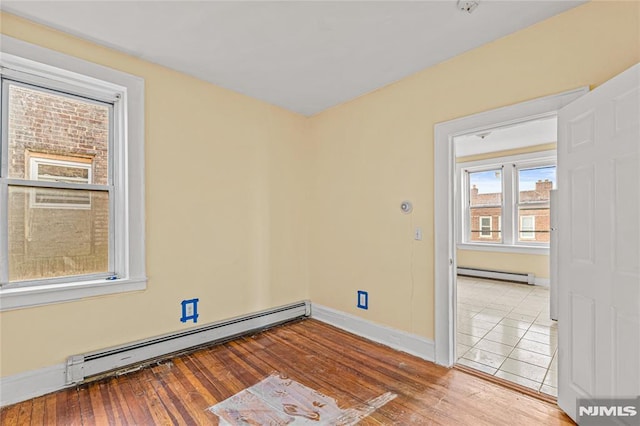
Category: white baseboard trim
<point>543,282</point>
<point>401,340</point>
<point>23,386</point>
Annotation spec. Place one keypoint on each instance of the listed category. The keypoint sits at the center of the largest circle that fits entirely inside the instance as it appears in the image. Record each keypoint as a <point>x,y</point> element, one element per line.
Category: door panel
<point>626,212</point>
<point>599,243</point>
<point>581,210</point>
<point>582,346</point>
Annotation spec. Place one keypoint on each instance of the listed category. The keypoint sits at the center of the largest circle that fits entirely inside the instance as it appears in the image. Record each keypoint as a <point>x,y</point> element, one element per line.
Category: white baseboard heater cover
<point>81,367</point>
<point>498,275</point>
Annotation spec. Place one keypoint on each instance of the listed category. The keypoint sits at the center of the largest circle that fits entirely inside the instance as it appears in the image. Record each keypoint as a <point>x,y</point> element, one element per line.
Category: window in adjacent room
<point>484,204</point>
<point>507,190</point>
<point>533,196</point>
<point>68,169</point>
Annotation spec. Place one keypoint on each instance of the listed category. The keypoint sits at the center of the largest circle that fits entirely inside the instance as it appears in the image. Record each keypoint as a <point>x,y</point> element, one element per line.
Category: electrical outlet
<point>189,310</point>
<point>363,299</point>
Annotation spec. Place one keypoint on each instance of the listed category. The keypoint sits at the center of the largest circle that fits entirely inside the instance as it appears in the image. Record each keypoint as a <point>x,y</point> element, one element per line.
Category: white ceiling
<point>529,133</point>
<point>304,56</point>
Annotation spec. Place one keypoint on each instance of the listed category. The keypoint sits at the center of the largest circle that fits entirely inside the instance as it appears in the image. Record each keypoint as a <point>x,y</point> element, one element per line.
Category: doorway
<point>448,190</point>
<point>505,177</point>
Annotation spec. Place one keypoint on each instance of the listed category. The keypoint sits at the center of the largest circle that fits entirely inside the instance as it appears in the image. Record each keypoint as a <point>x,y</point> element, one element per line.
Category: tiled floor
<point>504,329</point>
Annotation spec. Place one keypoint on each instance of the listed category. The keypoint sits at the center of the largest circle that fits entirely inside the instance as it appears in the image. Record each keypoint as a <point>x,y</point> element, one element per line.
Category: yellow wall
<point>373,152</point>
<point>226,185</point>
<point>249,206</point>
<point>538,264</point>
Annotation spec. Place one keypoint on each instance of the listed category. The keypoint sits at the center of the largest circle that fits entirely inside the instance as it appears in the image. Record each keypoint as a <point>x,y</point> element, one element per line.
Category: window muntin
<point>58,196</point>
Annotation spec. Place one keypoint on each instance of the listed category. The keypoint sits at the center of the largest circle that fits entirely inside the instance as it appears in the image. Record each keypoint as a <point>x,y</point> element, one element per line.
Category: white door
<point>599,243</point>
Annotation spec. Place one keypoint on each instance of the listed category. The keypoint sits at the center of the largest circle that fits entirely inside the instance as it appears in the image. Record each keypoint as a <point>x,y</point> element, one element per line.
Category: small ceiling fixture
<point>467,6</point>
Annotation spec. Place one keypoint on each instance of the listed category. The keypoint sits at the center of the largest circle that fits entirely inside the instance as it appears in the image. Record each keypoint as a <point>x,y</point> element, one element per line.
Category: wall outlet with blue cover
<point>190,310</point>
<point>363,299</point>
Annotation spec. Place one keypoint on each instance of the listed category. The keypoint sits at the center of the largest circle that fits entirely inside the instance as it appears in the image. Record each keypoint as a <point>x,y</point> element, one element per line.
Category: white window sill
<point>25,297</point>
<point>502,248</point>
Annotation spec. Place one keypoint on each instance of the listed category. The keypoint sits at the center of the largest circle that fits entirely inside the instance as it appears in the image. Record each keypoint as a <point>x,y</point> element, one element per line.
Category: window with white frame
<point>70,170</point>
<point>534,186</point>
<point>505,200</point>
<point>485,226</point>
<point>527,227</point>
<point>71,182</point>
<point>484,201</point>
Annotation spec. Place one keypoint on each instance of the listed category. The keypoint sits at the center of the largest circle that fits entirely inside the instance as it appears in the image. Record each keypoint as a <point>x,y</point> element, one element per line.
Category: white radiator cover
<point>498,275</point>
<point>81,367</point>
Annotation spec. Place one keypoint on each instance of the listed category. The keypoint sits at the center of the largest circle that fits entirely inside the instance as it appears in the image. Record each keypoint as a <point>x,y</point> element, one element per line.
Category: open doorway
<point>505,177</point>
<point>449,226</point>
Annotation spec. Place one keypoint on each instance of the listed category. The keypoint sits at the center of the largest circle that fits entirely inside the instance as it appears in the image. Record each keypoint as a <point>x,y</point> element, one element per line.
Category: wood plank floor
<point>340,365</point>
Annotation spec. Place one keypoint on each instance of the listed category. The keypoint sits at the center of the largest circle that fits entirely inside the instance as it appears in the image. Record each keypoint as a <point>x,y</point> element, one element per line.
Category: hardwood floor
<point>335,363</point>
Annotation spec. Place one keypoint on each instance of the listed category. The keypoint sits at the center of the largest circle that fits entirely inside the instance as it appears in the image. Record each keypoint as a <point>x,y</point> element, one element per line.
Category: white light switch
<point>418,234</point>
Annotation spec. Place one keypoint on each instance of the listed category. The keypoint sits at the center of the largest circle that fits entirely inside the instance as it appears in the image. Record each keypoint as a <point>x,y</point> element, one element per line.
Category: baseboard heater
<point>497,275</point>
<point>97,364</point>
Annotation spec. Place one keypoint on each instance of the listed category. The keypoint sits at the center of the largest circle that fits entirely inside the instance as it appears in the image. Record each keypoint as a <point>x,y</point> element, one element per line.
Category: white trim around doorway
<point>446,191</point>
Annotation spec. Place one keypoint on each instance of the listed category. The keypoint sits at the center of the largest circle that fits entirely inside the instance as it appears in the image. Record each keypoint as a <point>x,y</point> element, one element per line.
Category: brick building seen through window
<point>57,232</point>
<point>533,219</point>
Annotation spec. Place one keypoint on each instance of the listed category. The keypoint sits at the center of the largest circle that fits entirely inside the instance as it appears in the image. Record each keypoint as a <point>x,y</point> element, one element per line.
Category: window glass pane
<point>57,232</point>
<point>60,129</point>
<point>534,186</point>
<point>485,205</point>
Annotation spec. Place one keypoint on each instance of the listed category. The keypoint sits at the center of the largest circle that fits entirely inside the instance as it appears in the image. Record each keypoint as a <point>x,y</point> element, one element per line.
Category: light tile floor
<point>504,329</point>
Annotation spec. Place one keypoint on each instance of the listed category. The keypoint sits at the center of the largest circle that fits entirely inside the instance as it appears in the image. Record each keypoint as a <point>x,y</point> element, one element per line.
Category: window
<point>485,226</point>
<point>70,170</point>
<point>507,200</point>
<point>59,232</point>
<point>527,227</point>
<point>71,179</point>
<point>485,203</point>
<point>534,195</point>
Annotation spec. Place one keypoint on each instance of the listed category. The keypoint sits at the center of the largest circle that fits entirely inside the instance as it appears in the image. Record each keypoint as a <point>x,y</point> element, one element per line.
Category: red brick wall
<point>481,205</point>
